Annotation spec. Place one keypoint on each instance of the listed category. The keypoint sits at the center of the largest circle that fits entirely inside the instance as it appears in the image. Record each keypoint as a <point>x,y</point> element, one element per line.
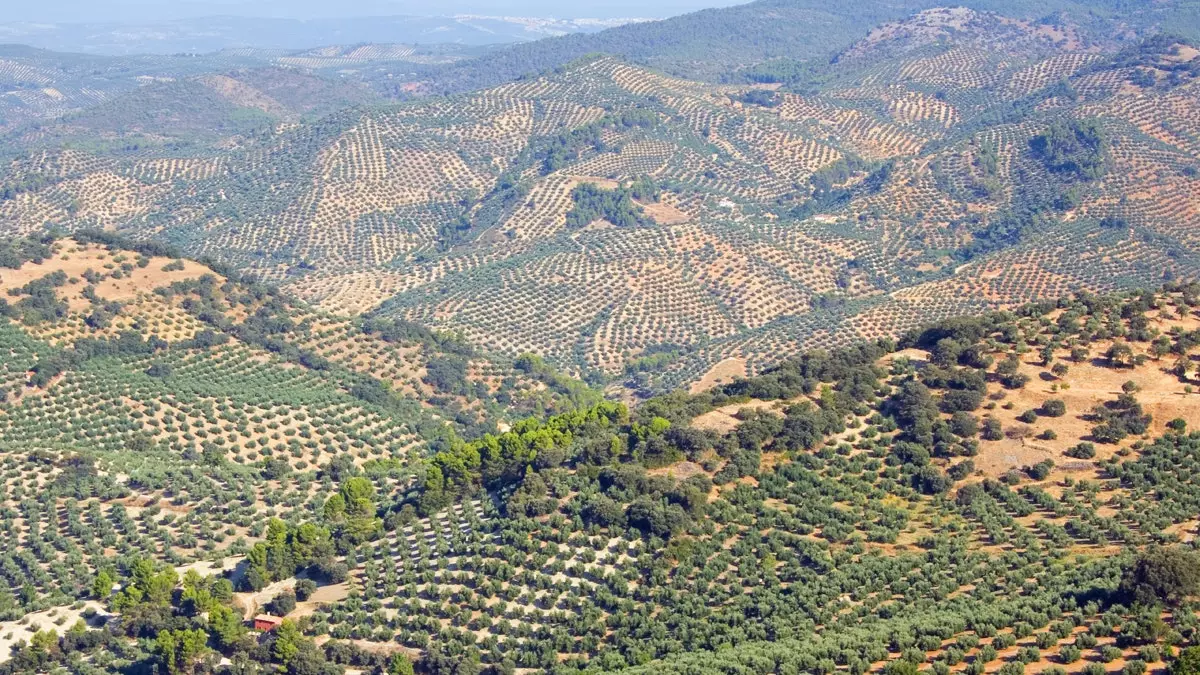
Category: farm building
<point>266,623</point>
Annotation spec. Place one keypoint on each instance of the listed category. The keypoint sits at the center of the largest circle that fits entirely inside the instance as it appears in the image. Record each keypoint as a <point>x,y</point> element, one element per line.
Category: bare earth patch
<point>664,214</point>
<point>721,373</point>
<point>56,618</point>
<point>74,260</point>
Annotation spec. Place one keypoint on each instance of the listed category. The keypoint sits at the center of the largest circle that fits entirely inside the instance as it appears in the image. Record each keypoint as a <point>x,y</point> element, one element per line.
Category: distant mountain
<point>149,11</point>
<point>38,85</point>
<point>52,98</point>
<point>216,33</point>
<point>710,44</point>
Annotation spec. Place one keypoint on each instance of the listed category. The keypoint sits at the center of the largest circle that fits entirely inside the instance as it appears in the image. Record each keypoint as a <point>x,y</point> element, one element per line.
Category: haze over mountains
<point>208,34</point>
<point>133,27</point>
<point>66,11</point>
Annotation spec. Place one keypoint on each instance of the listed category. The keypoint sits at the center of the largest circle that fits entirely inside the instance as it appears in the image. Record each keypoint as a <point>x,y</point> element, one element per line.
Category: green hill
<point>982,493</point>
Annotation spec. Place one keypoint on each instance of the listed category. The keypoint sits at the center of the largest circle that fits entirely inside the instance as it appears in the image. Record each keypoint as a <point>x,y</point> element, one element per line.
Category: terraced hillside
<point>156,367</point>
<point>952,162</point>
<point>991,494</point>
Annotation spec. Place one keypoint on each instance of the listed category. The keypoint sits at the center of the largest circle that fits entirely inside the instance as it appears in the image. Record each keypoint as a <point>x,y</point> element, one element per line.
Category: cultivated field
<point>727,222</point>
<point>968,499</point>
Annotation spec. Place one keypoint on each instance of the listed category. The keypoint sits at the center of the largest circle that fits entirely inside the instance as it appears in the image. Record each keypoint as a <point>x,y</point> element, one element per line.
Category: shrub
<point>283,604</point>
<point>1109,653</point>
<point>1040,470</point>
<point>1084,450</point>
<point>1054,408</point>
<point>1012,668</point>
<point>964,424</point>
<point>1134,667</point>
<point>1150,654</point>
<point>961,470</point>
<point>1070,653</point>
<point>1187,663</point>
<point>954,656</point>
<point>1028,655</point>
<point>1015,381</point>
<point>305,588</point>
<point>992,431</point>
<point>901,668</point>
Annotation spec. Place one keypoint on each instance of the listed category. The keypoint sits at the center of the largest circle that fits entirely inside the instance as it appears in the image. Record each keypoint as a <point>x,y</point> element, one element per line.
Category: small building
<point>266,623</point>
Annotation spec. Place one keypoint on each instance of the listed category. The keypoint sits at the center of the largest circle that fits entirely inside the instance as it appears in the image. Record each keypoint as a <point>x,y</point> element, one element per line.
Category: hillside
<point>157,368</point>
<point>953,162</point>
<point>712,44</point>
<point>972,497</point>
<point>99,292</point>
<point>787,338</point>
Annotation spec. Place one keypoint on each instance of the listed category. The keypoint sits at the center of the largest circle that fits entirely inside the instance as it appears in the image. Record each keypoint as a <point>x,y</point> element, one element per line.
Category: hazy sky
<point>60,11</point>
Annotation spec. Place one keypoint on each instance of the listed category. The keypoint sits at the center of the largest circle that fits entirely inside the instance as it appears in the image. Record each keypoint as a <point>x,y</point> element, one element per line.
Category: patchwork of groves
<point>181,451</point>
<point>924,413</point>
<point>952,162</point>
